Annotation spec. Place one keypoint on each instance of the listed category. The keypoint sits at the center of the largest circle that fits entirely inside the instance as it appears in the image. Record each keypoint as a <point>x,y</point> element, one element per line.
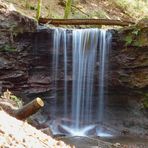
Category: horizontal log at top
<point>84,22</point>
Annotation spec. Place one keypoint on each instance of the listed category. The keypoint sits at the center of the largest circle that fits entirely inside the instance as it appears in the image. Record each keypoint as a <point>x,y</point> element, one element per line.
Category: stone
<point>117,145</point>
<point>14,20</point>
<point>47,131</point>
<point>12,23</point>
<point>142,23</point>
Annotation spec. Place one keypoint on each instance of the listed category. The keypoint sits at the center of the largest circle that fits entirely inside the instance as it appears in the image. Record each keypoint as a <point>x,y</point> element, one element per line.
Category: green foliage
<point>133,38</point>
<point>136,31</point>
<point>128,39</point>
<point>67,9</point>
<point>17,100</point>
<point>7,47</point>
<point>145,101</point>
<point>38,12</point>
<point>9,96</point>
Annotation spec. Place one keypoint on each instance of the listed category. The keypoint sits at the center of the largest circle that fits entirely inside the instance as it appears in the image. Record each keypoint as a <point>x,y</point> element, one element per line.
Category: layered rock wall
<point>27,69</point>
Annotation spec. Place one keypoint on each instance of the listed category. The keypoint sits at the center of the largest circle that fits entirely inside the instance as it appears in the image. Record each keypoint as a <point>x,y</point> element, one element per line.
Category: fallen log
<point>29,109</point>
<point>83,22</point>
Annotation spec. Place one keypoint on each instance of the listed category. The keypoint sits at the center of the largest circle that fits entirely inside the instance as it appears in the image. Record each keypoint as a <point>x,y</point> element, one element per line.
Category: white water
<point>104,45</point>
<point>89,47</point>
<point>84,56</point>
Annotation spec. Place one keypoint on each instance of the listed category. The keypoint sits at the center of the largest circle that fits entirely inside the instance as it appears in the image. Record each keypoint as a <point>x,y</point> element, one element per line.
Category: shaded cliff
<point>29,68</point>
<point>26,55</point>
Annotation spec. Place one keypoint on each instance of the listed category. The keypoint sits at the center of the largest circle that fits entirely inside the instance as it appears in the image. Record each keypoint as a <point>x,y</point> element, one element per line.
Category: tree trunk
<point>84,22</point>
<point>29,109</point>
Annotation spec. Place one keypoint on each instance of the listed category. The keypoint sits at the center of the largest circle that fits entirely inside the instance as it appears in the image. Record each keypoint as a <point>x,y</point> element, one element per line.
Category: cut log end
<point>40,102</point>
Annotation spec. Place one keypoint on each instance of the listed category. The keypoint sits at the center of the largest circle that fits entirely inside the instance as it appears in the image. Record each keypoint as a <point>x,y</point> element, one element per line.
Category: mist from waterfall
<point>89,58</point>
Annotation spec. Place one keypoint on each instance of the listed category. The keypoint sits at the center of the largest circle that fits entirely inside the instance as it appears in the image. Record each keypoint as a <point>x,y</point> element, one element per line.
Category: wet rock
<point>128,123</point>
<point>30,70</point>
<point>125,132</point>
<point>129,62</point>
<point>85,142</point>
<point>47,131</point>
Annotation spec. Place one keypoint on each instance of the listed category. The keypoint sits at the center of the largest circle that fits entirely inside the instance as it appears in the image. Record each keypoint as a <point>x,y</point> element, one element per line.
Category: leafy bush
<point>134,38</point>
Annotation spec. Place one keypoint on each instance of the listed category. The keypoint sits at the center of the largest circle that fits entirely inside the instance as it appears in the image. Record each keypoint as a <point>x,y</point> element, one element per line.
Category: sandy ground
<point>18,134</point>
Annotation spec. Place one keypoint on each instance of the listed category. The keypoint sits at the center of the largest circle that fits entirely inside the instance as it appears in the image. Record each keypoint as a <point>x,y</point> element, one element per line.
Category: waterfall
<point>60,40</point>
<point>84,56</point>
<point>88,47</point>
<point>104,45</point>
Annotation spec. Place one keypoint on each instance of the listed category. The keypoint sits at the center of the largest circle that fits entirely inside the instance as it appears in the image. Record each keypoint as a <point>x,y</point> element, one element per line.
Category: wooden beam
<point>29,109</point>
<point>83,22</point>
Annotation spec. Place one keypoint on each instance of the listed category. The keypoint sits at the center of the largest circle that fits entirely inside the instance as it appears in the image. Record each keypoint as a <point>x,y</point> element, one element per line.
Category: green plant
<point>132,38</point>
<point>67,9</point>
<point>17,100</point>
<point>136,31</point>
<point>38,12</point>
<point>7,47</point>
<point>9,96</point>
<point>145,101</point>
<point>128,39</point>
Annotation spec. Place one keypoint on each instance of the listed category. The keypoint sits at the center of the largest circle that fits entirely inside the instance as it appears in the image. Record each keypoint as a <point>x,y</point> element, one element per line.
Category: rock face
<point>12,69</point>
<point>13,23</point>
<point>30,69</point>
<point>129,58</point>
<point>27,69</point>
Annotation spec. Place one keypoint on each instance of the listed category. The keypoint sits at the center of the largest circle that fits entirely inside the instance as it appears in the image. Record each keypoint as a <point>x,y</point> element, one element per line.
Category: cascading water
<point>89,47</point>
<point>104,46</point>
<point>84,56</point>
